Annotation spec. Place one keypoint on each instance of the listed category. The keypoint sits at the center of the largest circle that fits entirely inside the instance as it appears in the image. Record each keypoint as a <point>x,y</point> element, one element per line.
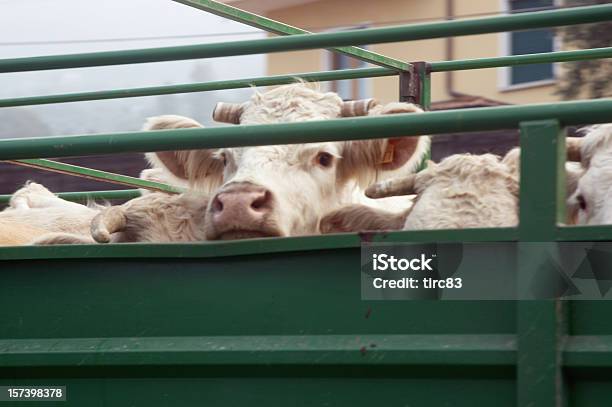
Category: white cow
<point>13,233</point>
<point>263,191</point>
<point>155,218</point>
<point>284,190</point>
<point>36,206</point>
<point>36,216</point>
<point>462,191</point>
<point>591,203</point>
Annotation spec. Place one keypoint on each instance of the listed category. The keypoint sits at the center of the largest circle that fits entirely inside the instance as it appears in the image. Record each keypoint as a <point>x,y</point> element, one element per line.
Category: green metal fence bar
<point>198,87</point>
<point>123,194</point>
<point>277,27</point>
<point>219,249</point>
<point>540,324</point>
<point>427,349</point>
<point>584,233</point>
<point>588,351</point>
<point>547,57</point>
<point>96,175</point>
<point>478,119</point>
<point>437,350</point>
<point>522,21</point>
<point>561,56</point>
<point>424,73</point>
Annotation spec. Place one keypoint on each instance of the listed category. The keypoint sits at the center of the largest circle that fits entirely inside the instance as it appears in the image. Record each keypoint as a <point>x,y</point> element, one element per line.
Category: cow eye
<point>325,159</point>
<point>224,159</point>
<point>581,202</point>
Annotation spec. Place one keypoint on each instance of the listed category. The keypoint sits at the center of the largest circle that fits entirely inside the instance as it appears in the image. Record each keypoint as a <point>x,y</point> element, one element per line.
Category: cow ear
<point>366,160</point>
<point>400,152</point>
<point>194,166</point>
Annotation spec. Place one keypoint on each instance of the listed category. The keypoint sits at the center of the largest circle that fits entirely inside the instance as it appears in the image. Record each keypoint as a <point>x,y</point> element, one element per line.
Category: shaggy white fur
<point>155,217</point>
<point>35,205</point>
<point>462,191</point>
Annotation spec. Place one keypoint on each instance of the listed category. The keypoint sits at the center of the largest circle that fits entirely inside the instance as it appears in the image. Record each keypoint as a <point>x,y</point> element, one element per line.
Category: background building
<point>525,84</point>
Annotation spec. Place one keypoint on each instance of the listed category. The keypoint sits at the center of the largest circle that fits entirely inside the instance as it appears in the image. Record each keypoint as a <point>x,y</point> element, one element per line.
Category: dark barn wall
<point>13,176</point>
<point>495,142</point>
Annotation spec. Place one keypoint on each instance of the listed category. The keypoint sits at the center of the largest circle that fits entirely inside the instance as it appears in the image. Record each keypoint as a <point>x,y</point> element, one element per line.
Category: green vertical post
<point>542,153</point>
<point>540,323</point>
<point>424,72</point>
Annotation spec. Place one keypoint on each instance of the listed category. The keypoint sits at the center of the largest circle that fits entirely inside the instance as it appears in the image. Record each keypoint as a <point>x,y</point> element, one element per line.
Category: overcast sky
<point>57,21</point>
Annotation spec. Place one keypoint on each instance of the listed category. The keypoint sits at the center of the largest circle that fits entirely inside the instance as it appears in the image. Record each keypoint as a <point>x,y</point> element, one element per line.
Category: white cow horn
<point>106,223</point>
<point>227,113</point>
<point>573,145</point>
<point>392,187</point>
<point>357,107</point>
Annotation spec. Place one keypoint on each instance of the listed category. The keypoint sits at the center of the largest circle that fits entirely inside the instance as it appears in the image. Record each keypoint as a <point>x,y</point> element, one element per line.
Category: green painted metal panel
<point>119,329</point>
<point>245,296</point>
<point>590,393</point>
<point>586,351</point>
<point>249,350</point>
<point>246,323</point>
<point>221,249</point>
<point>590,318</point>
<point>284,389</point>
<point>584,233</point>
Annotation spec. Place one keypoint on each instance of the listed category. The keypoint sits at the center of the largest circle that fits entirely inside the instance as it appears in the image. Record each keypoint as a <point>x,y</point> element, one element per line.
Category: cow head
<point>591,202</point>
<point>461,191</point>
<point>283,190</point>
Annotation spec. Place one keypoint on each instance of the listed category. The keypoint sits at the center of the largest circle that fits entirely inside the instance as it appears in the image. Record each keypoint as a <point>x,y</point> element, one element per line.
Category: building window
<point>529,42</point>
<point>349,89</point>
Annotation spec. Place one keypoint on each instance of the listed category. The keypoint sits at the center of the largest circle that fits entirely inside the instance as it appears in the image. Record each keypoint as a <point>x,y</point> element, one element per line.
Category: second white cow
<point>591,203</point>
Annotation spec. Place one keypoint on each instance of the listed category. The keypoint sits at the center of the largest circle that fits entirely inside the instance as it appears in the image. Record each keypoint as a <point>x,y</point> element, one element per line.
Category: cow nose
<point>245,204</point>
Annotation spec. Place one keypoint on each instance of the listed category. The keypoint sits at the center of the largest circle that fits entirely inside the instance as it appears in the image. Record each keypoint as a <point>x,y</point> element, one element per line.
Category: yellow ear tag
<point>389,154</point>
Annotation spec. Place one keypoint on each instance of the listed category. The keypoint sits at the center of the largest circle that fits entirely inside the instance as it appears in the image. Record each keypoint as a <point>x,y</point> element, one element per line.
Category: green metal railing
<point>513,60</point>
<point>359,128</point>
<point>463,27</point>
<point>457,65</point>
<point>200,87</point>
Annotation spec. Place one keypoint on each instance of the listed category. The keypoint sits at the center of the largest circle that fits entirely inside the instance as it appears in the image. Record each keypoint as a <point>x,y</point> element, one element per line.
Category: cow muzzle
<point>240,211</point>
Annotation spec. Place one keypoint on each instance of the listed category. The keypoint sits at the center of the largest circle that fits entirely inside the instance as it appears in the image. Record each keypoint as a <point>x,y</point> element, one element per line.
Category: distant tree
<point>588,78</point>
